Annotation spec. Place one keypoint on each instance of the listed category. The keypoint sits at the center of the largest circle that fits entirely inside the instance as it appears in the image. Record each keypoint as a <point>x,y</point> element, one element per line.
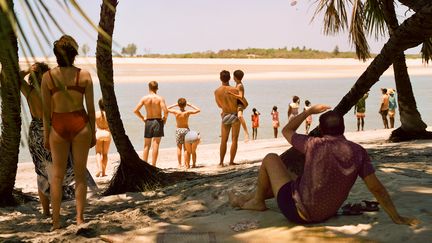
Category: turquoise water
<point>262,95</point>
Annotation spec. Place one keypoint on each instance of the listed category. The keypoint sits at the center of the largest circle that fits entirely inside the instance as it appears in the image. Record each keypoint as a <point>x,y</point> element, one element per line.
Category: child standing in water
<point>308,121</point>
<point>242,102</point>
<point>275,121</point>
<point>255,123</point>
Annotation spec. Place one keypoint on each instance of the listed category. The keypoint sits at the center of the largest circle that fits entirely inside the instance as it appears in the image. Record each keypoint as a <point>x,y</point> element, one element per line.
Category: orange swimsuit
<point>69,124</point>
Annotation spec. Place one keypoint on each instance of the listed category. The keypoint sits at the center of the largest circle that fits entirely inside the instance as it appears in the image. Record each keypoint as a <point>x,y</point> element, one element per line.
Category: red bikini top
<point>75,87</point>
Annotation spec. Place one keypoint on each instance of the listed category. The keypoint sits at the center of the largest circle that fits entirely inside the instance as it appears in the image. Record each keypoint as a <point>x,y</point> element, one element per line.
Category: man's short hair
<point>182,102</point>
<point>238,74</point>
<point>225,76</point>
<point>331,123</point>
<point>153,86</point>
<point>295,98</point>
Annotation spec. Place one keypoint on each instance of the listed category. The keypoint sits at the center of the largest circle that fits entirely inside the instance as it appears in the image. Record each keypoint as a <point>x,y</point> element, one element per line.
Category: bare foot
<point>98,174</point>
<point>193,166</point>
<point>232,163</point>
<point>80,221</point>
<point>238,199</point>
<point>253,204</point>
<point>221,165</point>
<point>55,226</point>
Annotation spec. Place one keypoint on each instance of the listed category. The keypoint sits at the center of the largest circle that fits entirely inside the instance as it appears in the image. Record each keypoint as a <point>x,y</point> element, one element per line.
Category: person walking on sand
<point>308,121</point>
<point>360,111</point>
<point>255,123</point>
<point>229,106</point>
<point>154,122</point>
<point>293,108</point>
<point>103,140</point>
<point>242,102</point>
<point>182,121</point>
<point>331,167</point>
<point>68,126</point>
<point>392,107</point>
<point>384,107</point>
<point>275,121</point>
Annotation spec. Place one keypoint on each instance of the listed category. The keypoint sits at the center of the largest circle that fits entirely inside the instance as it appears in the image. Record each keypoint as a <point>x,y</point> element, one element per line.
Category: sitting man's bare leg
<point>272,176</point>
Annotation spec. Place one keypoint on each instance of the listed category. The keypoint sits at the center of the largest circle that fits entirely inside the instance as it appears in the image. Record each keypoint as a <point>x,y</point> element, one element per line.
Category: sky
<point>183,26</point>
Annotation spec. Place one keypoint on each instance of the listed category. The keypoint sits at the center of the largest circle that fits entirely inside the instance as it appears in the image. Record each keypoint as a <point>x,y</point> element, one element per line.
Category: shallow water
<point>262,95</point>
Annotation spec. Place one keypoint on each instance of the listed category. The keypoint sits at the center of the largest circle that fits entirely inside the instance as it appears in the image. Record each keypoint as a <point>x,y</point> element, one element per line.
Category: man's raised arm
<point>289,130</point>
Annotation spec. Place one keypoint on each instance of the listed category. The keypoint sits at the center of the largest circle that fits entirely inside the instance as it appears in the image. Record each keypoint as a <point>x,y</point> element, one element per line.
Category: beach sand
<point>198,70</point>
<point>197,210</point>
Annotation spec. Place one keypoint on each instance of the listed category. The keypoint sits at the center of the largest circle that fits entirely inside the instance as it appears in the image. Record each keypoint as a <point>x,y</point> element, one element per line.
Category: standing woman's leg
<point>80,150</point>
<point>194,156</point>
<point>106,145</point>
<point>188,152</point>
<point>59,153</point>
<point>99,156</point>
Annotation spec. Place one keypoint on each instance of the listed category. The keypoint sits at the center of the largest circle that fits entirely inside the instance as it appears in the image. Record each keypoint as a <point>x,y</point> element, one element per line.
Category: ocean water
<point>261,94</point>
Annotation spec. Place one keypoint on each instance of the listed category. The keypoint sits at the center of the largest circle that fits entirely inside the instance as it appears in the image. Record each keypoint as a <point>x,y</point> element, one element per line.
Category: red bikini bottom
<point>69,124</point>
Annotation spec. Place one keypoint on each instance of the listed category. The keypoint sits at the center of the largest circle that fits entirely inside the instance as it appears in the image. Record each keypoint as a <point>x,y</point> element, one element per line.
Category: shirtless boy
<point>242,102</point>
<point>154,122</point>
<point>182,120</point>
<point>229,107</point>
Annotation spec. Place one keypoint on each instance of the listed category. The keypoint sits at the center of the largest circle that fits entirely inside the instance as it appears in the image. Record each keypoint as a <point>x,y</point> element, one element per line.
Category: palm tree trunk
<point>10,106</point>
<point>133,174</point>
<point>412,32</point>
<point>412,126</point>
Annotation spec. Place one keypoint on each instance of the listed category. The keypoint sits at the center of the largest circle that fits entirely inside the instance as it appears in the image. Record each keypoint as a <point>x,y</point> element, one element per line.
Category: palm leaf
<point>357,31</point>
<point>335,15</point>
<point>374,19</point>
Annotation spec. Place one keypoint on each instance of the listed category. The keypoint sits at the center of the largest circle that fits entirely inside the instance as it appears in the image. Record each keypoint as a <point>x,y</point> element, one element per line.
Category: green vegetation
<point>294,53</point>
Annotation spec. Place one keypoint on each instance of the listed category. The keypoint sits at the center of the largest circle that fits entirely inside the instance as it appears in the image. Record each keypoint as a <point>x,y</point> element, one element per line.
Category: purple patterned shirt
<point>332,164</point>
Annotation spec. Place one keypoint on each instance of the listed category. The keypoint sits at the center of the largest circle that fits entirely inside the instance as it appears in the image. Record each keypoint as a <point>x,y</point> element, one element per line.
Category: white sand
<point>195,70</point>
<point>197,210</point>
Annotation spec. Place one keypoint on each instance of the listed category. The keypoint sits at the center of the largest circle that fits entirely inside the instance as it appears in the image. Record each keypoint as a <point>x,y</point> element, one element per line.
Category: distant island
<point>258,53</point>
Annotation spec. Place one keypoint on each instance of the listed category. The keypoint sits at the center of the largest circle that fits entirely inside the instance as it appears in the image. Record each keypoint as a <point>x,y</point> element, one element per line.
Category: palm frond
<point>42,16</point>
<point>47,11</point>
<point>36,20</point>
<point>89,21</point>
<point>357,31</point>
<point>30,22</point>
<point>335,15</point>
<point>374,19</point>
<point>426,50</point>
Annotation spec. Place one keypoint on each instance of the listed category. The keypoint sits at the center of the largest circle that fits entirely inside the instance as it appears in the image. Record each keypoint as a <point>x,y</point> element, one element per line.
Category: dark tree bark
<point>133,174</point>
<point>10,106</point>
<point>412,126</point>
<point>412,32</point>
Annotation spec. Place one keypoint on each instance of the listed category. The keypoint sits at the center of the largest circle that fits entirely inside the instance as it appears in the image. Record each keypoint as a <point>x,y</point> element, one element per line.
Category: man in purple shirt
<point>332,164</point>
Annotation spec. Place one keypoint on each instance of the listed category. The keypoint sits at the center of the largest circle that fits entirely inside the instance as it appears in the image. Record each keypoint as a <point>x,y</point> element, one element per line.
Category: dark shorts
<point>154,128</point>
<point>287,204</point>
<point>384,113</point>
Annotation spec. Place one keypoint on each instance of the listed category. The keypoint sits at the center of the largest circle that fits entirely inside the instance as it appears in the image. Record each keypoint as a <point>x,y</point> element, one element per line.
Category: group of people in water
<point>65,126</point>
<point>388,106</point>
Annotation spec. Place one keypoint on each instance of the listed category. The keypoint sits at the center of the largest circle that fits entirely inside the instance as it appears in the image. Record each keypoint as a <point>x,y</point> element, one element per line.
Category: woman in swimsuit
<point>40,156</point>
<point>103,140</point>
<point>293,109</point>
<point>275,121</point>
<point>67,125</point>
<point>255,123</point>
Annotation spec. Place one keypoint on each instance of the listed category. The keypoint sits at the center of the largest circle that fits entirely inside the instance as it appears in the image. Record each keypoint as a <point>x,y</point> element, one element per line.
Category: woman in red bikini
<point>67,125</point>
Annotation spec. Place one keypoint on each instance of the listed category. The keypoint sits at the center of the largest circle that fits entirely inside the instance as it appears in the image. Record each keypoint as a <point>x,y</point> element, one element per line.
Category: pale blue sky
<point>174,26</point>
